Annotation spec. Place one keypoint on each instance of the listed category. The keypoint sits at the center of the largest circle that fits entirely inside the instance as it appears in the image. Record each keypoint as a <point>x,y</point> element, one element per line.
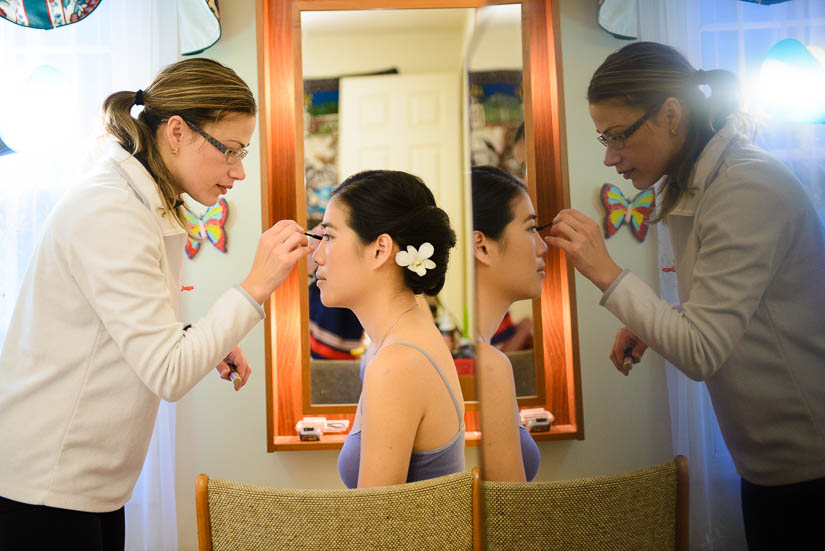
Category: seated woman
<point>385,242</point>
<point>509,267</point>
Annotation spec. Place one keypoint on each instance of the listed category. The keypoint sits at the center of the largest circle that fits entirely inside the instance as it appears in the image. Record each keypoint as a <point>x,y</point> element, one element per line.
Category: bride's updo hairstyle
<point>400,205</point>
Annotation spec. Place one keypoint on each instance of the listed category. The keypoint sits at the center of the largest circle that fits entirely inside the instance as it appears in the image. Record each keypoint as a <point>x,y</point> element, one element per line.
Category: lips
<point>224,189</point>
<point>626,173</point>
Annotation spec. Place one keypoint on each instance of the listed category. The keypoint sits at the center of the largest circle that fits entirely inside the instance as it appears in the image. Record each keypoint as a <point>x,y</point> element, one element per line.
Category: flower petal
<point>421,270</point>
<point>403,258</point>
<point>426,250</point>
<point>429,264</point>
<point>411,251</point>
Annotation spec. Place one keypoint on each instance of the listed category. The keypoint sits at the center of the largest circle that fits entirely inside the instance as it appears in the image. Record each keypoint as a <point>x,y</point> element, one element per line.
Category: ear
<point>382,250</point>
<point>174,131</point>
<point>673,113</point>
<point>481,248</point>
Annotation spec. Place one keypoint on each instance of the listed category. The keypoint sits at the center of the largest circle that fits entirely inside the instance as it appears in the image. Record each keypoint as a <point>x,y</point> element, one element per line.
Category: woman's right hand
<point>279,249</point>
<point>624,336</point>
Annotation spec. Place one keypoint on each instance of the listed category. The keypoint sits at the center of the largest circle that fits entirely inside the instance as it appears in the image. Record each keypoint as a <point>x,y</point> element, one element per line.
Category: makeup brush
<point>312,235</point>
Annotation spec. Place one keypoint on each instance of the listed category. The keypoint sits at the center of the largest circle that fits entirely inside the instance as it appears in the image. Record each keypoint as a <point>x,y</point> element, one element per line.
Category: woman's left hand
<point>243,369</point>
<point>581,239</point>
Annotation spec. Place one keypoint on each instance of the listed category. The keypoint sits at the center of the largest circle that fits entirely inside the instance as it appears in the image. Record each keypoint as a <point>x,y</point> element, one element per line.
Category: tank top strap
<point>443,378</point>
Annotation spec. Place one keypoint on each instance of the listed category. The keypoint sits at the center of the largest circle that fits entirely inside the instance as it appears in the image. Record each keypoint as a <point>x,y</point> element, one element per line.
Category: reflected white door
<point>410,123</point>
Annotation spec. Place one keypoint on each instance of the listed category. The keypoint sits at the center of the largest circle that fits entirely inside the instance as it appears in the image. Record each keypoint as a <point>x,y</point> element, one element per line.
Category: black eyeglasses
<point>232,155</point>
<point>617,142</point>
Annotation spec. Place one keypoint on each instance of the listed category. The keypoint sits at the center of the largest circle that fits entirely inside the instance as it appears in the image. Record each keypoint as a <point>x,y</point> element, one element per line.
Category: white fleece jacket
<point>750,262</point>
<point>95,342</point>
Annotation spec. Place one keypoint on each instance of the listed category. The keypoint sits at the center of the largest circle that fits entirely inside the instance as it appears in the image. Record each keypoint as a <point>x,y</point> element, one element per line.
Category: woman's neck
<point>377,314</point>
<point>491,309</point>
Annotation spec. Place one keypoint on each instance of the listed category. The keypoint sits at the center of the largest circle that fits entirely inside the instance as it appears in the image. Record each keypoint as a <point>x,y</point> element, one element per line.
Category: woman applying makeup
<point>96,340</point>
<point>750,262</point>
<point>384,243</point>
<point>509,259</point>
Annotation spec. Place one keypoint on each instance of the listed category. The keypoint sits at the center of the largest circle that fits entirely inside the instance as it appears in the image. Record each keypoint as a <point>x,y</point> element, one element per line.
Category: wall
<point>223,433</point>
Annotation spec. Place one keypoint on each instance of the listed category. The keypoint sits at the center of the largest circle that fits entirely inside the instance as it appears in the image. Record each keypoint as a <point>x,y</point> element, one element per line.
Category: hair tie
<point>139,97</point>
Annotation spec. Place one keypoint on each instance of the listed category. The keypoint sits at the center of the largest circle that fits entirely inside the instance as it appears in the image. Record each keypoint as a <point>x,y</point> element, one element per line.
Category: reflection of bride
<point>385,242</point>
<point>509,267</point>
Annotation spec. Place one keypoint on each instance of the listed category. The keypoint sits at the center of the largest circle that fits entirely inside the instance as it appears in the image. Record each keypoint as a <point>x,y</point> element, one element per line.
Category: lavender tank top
<point>424,464</point>
<point>529,453</point>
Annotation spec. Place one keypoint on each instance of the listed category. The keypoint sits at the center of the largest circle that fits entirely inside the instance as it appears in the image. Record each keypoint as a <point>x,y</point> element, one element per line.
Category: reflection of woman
<point>750,262</point>
<point>95,340</point>
<point>385,242</point>
<point>509,267</point>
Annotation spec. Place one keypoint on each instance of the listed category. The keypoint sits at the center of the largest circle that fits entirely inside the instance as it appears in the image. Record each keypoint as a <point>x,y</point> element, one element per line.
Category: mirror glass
<point>385,89</point>
<point>494,64</point>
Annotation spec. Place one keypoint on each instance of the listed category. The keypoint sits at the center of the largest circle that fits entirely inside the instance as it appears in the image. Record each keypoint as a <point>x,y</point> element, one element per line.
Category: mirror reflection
<point>497,137</point>
<point>385,89</point>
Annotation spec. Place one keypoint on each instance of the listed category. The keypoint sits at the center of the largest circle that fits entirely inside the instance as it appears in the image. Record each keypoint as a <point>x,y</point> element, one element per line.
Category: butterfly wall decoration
<point>635,213</point>
<point>209,227</point>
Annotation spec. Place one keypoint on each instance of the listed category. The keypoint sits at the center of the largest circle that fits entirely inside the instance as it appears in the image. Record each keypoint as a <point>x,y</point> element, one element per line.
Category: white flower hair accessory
<point>417,261</point>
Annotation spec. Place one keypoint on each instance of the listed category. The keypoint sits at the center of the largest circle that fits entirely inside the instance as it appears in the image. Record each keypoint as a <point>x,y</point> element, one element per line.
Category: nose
<point>236,170</point>
<point>611,157</point>
<point>542,247</point>
<point>319,255</point>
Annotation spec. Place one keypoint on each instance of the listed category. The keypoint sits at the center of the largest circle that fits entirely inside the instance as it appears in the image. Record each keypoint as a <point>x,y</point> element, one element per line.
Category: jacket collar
<point>707,165</point>
<point>143,184</point>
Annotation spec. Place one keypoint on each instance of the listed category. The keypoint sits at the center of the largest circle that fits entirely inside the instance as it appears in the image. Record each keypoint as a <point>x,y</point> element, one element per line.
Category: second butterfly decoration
<point>209,227</point>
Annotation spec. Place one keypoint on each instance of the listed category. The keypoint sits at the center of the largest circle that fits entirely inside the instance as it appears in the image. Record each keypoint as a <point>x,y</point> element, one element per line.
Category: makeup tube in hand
<point>233,373</point>
<point>628,355</point>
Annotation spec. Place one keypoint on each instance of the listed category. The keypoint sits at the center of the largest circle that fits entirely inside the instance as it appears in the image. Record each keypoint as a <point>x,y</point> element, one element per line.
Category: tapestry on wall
<point>496,112</point>
<point>620,210</point>
<point>199,25</point>
<point>46,14</point>
<point>209,227</point>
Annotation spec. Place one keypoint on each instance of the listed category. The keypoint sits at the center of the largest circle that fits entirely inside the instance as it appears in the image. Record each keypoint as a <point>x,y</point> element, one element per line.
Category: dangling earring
<point>672,131</point>
<point>176,149</point>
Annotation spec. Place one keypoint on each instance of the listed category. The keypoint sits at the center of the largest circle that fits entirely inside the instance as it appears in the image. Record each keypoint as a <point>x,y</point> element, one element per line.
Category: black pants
<point>27,527</point>
<point>788,517</point>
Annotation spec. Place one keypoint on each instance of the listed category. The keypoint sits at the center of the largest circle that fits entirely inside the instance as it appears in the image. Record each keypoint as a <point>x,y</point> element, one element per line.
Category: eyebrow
<point>530,218</point>
<point>606,130</point>
<point>326,225</point>
<point>239,142</point>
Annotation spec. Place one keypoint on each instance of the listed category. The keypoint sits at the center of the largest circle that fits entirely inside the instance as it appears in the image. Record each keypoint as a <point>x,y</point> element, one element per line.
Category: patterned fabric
<point>434,514</point>
<point>46,14</point>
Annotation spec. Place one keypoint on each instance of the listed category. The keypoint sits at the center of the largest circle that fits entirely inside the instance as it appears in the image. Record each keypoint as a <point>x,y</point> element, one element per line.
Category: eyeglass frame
<point>617,142</point>
<point>230,153</point>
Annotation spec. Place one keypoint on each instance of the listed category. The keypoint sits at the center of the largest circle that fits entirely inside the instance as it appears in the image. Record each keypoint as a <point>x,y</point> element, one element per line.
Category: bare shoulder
<point>394,364</point>
<point>493,363</point>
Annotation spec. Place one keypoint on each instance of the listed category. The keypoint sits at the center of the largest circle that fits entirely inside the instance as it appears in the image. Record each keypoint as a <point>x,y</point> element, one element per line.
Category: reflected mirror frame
<point>281,126</point>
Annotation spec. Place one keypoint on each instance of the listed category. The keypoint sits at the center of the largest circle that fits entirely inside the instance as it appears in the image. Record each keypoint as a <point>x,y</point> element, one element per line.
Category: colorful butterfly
<point>207,227</point>
<point>619,210</point>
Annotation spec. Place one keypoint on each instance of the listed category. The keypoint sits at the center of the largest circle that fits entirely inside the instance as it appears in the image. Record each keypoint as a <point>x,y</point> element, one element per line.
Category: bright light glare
<point>35,112</point>
<point>792,84</point>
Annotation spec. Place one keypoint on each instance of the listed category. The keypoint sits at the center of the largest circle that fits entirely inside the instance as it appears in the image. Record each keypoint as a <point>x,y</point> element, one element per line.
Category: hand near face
<point>581,239</point>
<point>625,337</point>
<point>279,249</point>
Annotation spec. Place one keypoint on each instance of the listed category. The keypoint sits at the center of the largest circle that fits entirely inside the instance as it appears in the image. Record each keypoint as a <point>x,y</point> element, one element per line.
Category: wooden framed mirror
<point>281,96</point>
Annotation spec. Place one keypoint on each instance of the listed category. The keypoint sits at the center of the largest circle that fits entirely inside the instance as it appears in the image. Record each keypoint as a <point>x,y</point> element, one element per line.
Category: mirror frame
<point>283,196</point>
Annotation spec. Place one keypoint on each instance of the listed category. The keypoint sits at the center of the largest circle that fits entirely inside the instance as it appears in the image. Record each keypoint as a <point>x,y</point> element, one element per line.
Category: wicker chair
<point>433,514</point>
<point>639,510</point>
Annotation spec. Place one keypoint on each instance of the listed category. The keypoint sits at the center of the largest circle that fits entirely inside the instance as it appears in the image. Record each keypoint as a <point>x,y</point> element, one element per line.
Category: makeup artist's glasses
<point>617,142</point>
<point>232,155</point>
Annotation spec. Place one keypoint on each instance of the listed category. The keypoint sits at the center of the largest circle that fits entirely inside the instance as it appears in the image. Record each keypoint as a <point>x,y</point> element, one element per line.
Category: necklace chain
<point>387,334</point>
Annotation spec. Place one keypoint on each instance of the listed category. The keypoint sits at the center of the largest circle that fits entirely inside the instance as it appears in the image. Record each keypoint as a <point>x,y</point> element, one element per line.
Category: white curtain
<point>732,35</point>
<point>120,46</point>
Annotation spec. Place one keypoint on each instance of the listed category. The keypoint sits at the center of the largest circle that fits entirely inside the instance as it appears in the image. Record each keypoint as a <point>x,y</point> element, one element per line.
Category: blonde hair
<point>199,90</point>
